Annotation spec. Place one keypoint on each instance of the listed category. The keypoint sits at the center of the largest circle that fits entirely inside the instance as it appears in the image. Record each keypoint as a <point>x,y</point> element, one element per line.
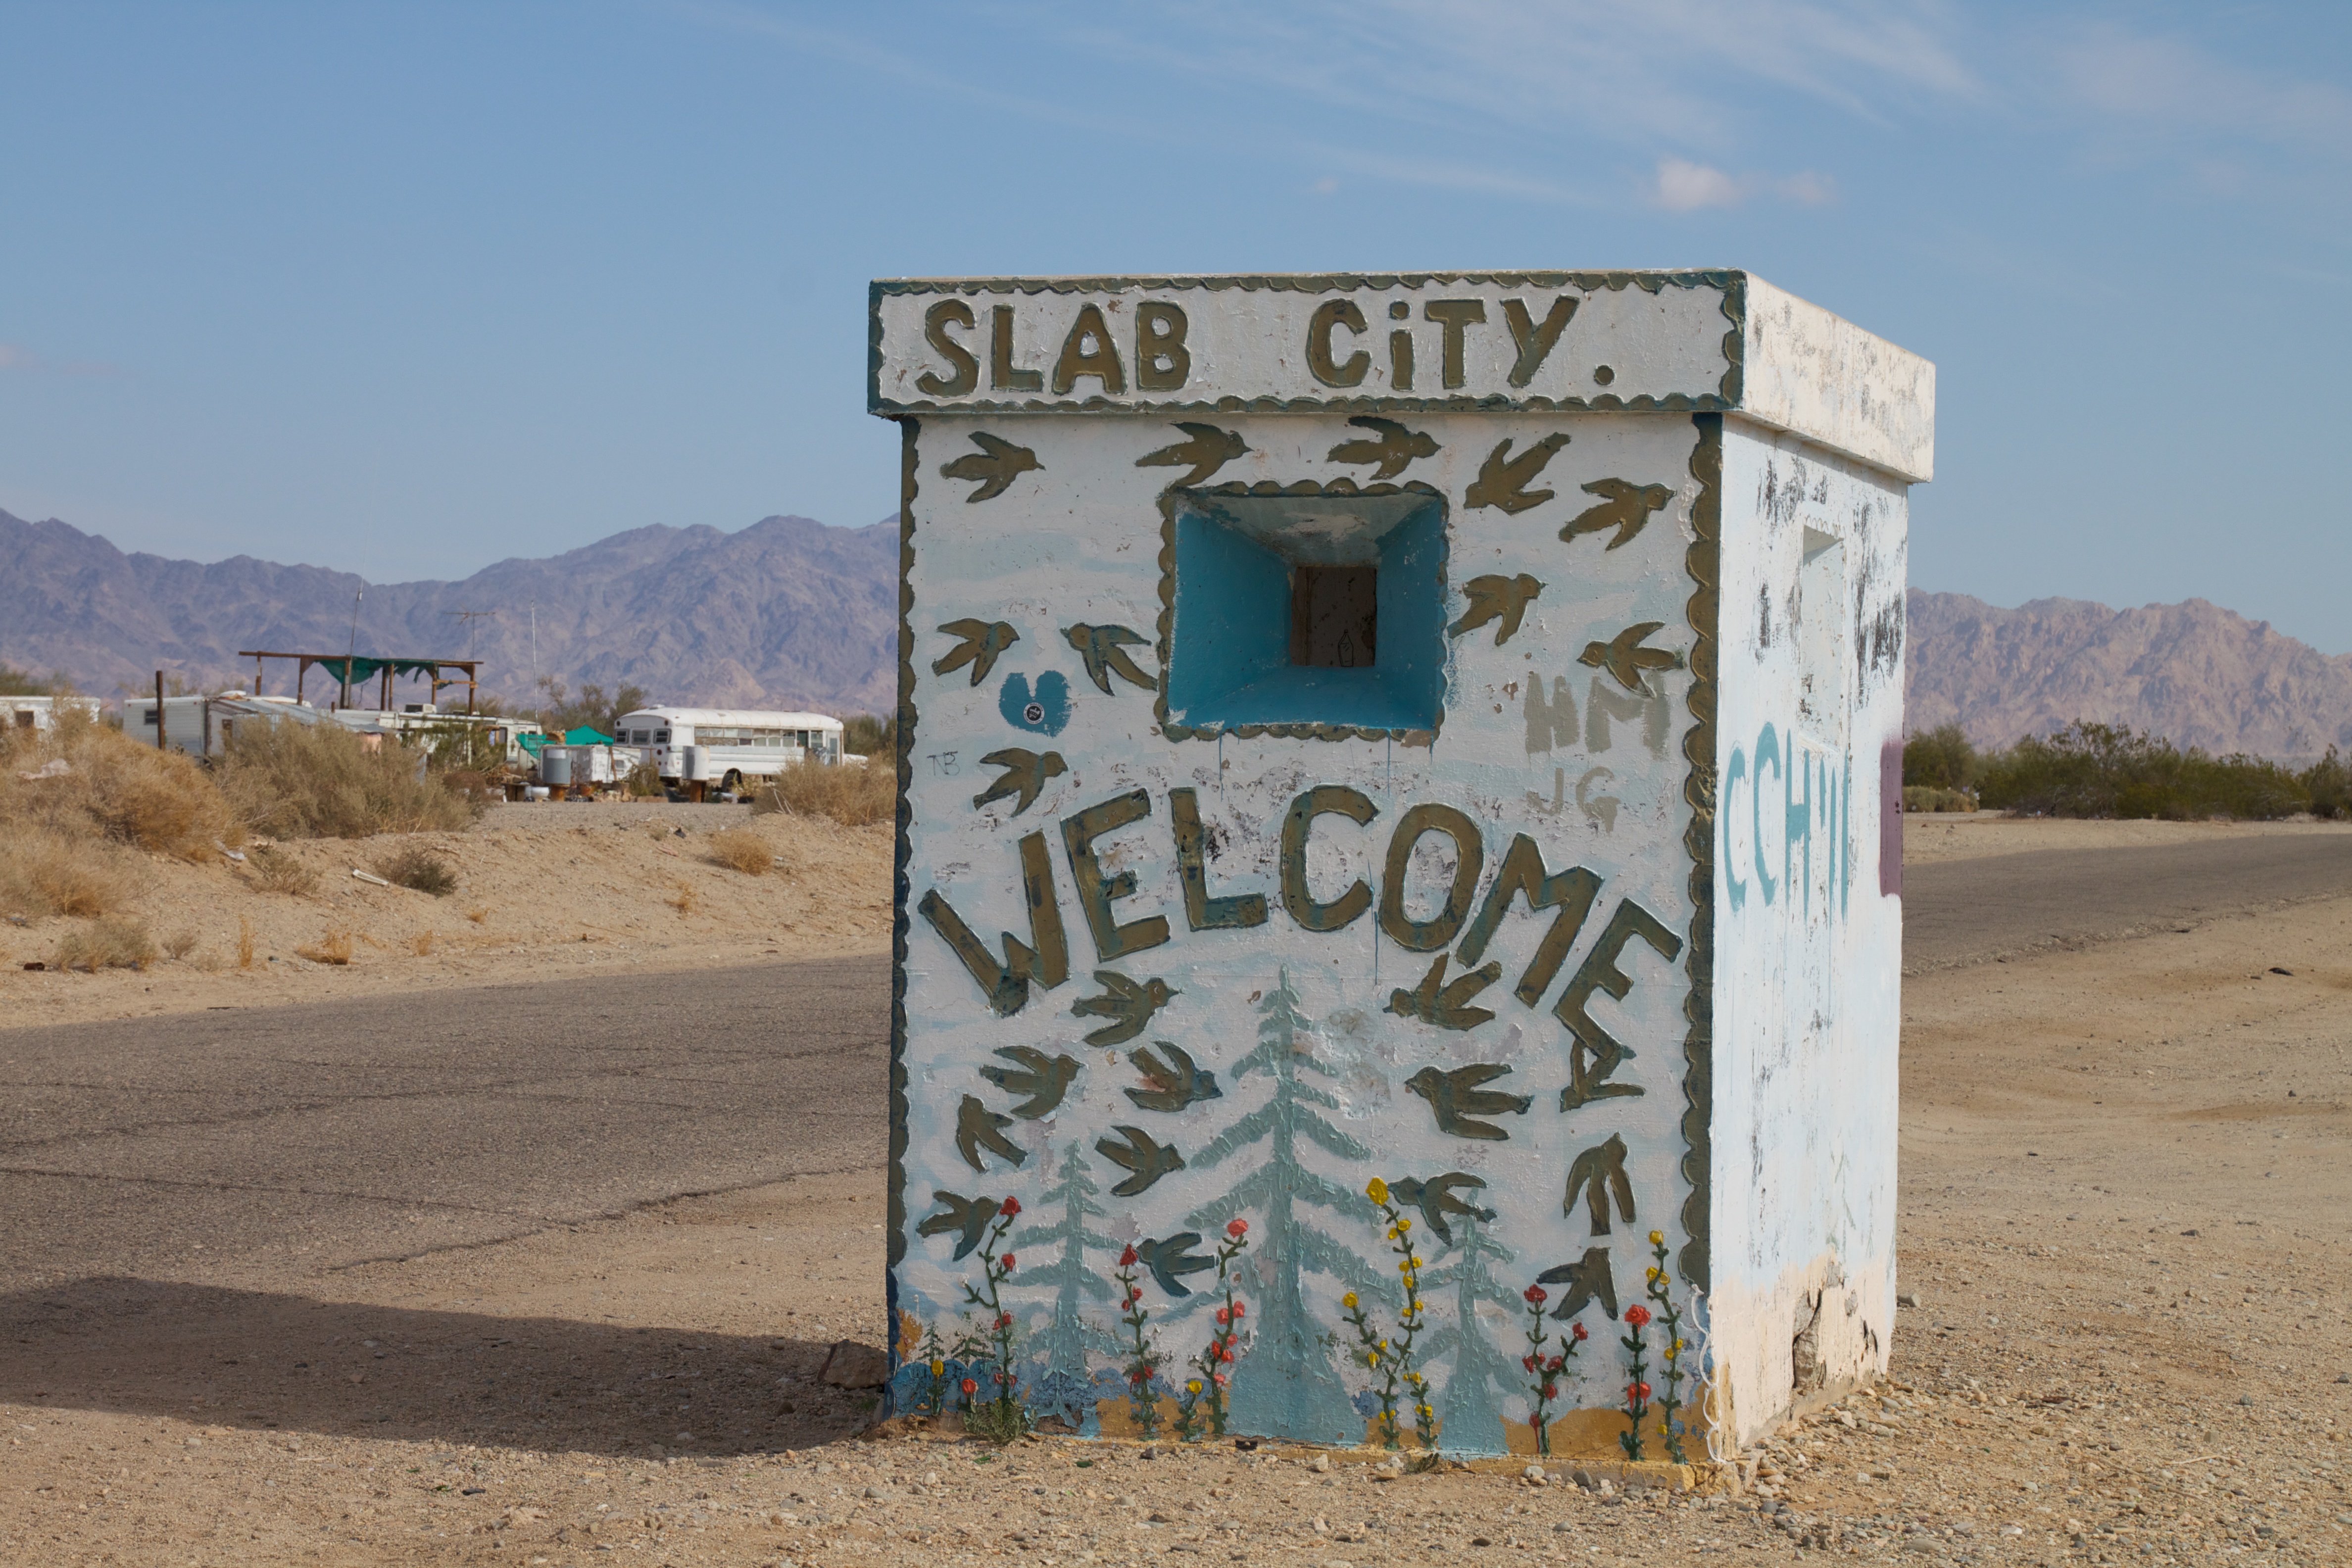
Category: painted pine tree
<point>1483,1389</point>
<point>1287,1384</point>
<point>1065,1387</point>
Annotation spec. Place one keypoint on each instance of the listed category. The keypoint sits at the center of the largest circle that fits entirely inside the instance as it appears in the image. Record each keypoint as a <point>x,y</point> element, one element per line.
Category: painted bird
<point>1141,1154</point>
<point>1104,650</point>
<point>1624,658</point>
<point>1025,772</point>
<point>1172,1085</point>
<point>1129,1005</point>
<point>1493,596</point>
<point>983,641</point>
<point>1434,1198</point>
<point>1624,507</point>
<point>1209,449</point>
<point>977,1126</point>
<point>1586,1277</point>
<point>1600,1171</point>
<point>1171,1258</point>
<point>1502,480</point>
<point>1044,1078</point>
<point>1395,446</point>
<point>969,1217</point>
<point>1457,1098</point>
<point>996,465</point>
<point>1447,1007</point>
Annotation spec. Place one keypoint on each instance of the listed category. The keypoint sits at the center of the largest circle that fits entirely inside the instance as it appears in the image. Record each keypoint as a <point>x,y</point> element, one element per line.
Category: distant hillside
<point>2195,673</point>
<point>785,613</point>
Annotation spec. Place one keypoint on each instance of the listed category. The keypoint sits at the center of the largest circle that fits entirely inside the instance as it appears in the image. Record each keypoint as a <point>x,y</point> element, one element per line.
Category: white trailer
<point>40,713</point>
<point>735,744</point>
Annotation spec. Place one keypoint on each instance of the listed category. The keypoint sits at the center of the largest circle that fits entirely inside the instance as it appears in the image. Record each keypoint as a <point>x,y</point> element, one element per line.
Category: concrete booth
<point>1399,812</point>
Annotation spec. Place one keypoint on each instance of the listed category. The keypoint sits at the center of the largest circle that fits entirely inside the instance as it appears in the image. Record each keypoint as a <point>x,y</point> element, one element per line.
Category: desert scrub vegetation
<point>742,849</point>
<point>76,802</point>
<point>2104,770</point>
<point>419,869</point>
<point>852,796</point>
<point>279,870</point>
<point>113,942</point>
<point>321,780</point>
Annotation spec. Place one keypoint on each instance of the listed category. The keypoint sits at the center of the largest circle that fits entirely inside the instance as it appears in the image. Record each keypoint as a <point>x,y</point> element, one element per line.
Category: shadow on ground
<point>296,1364</point>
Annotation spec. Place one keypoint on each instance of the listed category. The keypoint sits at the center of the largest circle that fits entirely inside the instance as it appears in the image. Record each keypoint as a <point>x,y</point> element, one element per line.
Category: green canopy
<point>366,670</point>
<point>586,736</point>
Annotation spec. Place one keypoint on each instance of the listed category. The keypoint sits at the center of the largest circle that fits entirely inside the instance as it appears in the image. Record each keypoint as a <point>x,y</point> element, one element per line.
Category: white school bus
<point>736,743</point>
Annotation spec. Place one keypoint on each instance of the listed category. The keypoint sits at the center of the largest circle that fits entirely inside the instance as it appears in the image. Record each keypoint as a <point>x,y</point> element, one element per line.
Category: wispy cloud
<point>1682,186</point>
<point>2173,88</point>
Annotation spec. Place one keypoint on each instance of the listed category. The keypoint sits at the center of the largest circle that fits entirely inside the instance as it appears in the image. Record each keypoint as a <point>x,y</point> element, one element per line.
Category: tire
<point>733,783</point>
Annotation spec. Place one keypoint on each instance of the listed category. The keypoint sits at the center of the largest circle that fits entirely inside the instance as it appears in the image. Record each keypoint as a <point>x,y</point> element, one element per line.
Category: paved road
<point>224,1145</point>
<point>1971,911</point>
<point>219,1143</point>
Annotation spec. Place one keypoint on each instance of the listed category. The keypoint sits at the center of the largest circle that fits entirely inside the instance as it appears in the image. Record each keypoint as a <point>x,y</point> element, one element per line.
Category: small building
<point>727,746</point>
<point>40,713</point>
<point>1432,734</point>
<point>205,725</point>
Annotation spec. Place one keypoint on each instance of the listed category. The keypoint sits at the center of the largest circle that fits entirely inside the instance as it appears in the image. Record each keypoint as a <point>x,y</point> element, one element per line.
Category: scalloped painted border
<point>1703,560</point>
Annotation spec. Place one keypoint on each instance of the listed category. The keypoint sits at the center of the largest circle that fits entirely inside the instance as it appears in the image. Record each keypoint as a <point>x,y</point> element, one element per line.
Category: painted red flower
<point>1638,1315</point>
<point>1535,1295</point>
<point>1637,1392</point>
<point>1223,1317</point>
<point>1550,1391</point>
<point>1237,1228</point>
<point>1007,1261</point>
<point>1556,1363</point>
<point>1010,1208</point>
<point>1219,1377</point>
<point>1528,1362</point>
<point>1536,1420</point>
<point>1576,1332</point>
<point>1127,1259</point>
<point>1005,1319</point>
<point>1239,1309</point>
<point>971,1387</point>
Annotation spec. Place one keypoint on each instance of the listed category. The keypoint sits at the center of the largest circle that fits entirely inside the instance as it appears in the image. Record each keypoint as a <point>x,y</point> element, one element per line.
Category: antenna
<point>473,633</point>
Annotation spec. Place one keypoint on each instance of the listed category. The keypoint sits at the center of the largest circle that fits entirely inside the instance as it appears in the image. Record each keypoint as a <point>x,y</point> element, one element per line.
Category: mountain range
<point>786,613</point>
<point>790,612</point>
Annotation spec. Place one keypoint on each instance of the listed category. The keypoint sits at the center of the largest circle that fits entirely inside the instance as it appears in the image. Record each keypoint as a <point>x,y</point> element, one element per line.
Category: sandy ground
<point>2124,1222</point>
<point>543,890</point>
<point>1932,836</point>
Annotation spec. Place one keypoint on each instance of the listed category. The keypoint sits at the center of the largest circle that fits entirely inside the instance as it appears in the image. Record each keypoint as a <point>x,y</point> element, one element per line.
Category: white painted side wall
<point>1807,996</point>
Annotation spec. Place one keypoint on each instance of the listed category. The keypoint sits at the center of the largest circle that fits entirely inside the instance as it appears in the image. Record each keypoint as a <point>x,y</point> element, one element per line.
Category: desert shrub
<point>179,944</point>
<point>743,849</point>
<point>2328,783</point>
<point>869,735</point>
<point>115,942</point>
<point>1940,758</point>
<point>852,796</point>
<point>2104,770</point>
<point>644,781</point>
<point>1925,797</point>
<point>110,787</point>
<point>43,871</point>
<point>281,871</point>
<point>418,868</point>
<point>335,947</point>
<point>320,781</point>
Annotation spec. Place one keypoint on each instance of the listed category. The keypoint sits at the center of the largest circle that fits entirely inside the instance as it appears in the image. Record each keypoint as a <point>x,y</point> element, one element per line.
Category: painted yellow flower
<point>1193,1386</point>
<point>1378,1191</point>
<point>1349,1301</point>
<point>1403,1224</point>
<point>938,1368</point>
<point>1658,1239</point>
<point>1654,1275</point>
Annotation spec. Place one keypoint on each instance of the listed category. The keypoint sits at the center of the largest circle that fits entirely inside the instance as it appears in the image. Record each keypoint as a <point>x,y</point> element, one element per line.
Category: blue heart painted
<point>1045,712</point>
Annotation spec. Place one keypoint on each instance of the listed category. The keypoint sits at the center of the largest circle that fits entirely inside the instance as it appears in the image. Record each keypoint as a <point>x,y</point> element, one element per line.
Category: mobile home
<point>41,712</point>
<point>728,744</point>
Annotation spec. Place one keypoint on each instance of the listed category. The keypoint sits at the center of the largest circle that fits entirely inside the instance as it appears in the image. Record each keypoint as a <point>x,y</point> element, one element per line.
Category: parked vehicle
<point>732,744</point>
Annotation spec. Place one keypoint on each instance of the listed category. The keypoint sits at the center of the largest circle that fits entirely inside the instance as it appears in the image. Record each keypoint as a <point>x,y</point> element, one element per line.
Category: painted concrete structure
<point>1430,728</point>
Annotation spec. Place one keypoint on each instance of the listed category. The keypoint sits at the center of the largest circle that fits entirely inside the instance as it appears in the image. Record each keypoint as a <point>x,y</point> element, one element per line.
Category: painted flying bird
<point>1171,1258</point>
<point>1044,1078</point>
<point>1624,658</point>
<point>983,641</point>
<point>996,465</point>
<point>1434,1198</point>
<point>1209,449</point>
<point>1497,595</point>
<point>1502,480</point>
<point>1600,1171</point>
<point>1457,1098</point>
<point>977,1126</point>
<point>1447,1007</point>
<point>1142,1155</point>
<point>1101,647</point>
<point>1624,507</point>
<point>969,1216</point>
<point>1129,1007</point>
<point>1172,1085</point>
<point>1025,772</point>
<point>1586,1277</point>
<point>1395,448</point>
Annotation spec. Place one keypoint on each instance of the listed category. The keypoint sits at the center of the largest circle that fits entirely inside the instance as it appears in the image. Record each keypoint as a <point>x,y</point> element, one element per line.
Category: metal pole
<point>159,709</point>
<point>353,654</point>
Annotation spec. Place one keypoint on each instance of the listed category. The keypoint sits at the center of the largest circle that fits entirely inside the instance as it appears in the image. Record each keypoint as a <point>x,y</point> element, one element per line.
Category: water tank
<point>555,765</point>
<point>696,769</point>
